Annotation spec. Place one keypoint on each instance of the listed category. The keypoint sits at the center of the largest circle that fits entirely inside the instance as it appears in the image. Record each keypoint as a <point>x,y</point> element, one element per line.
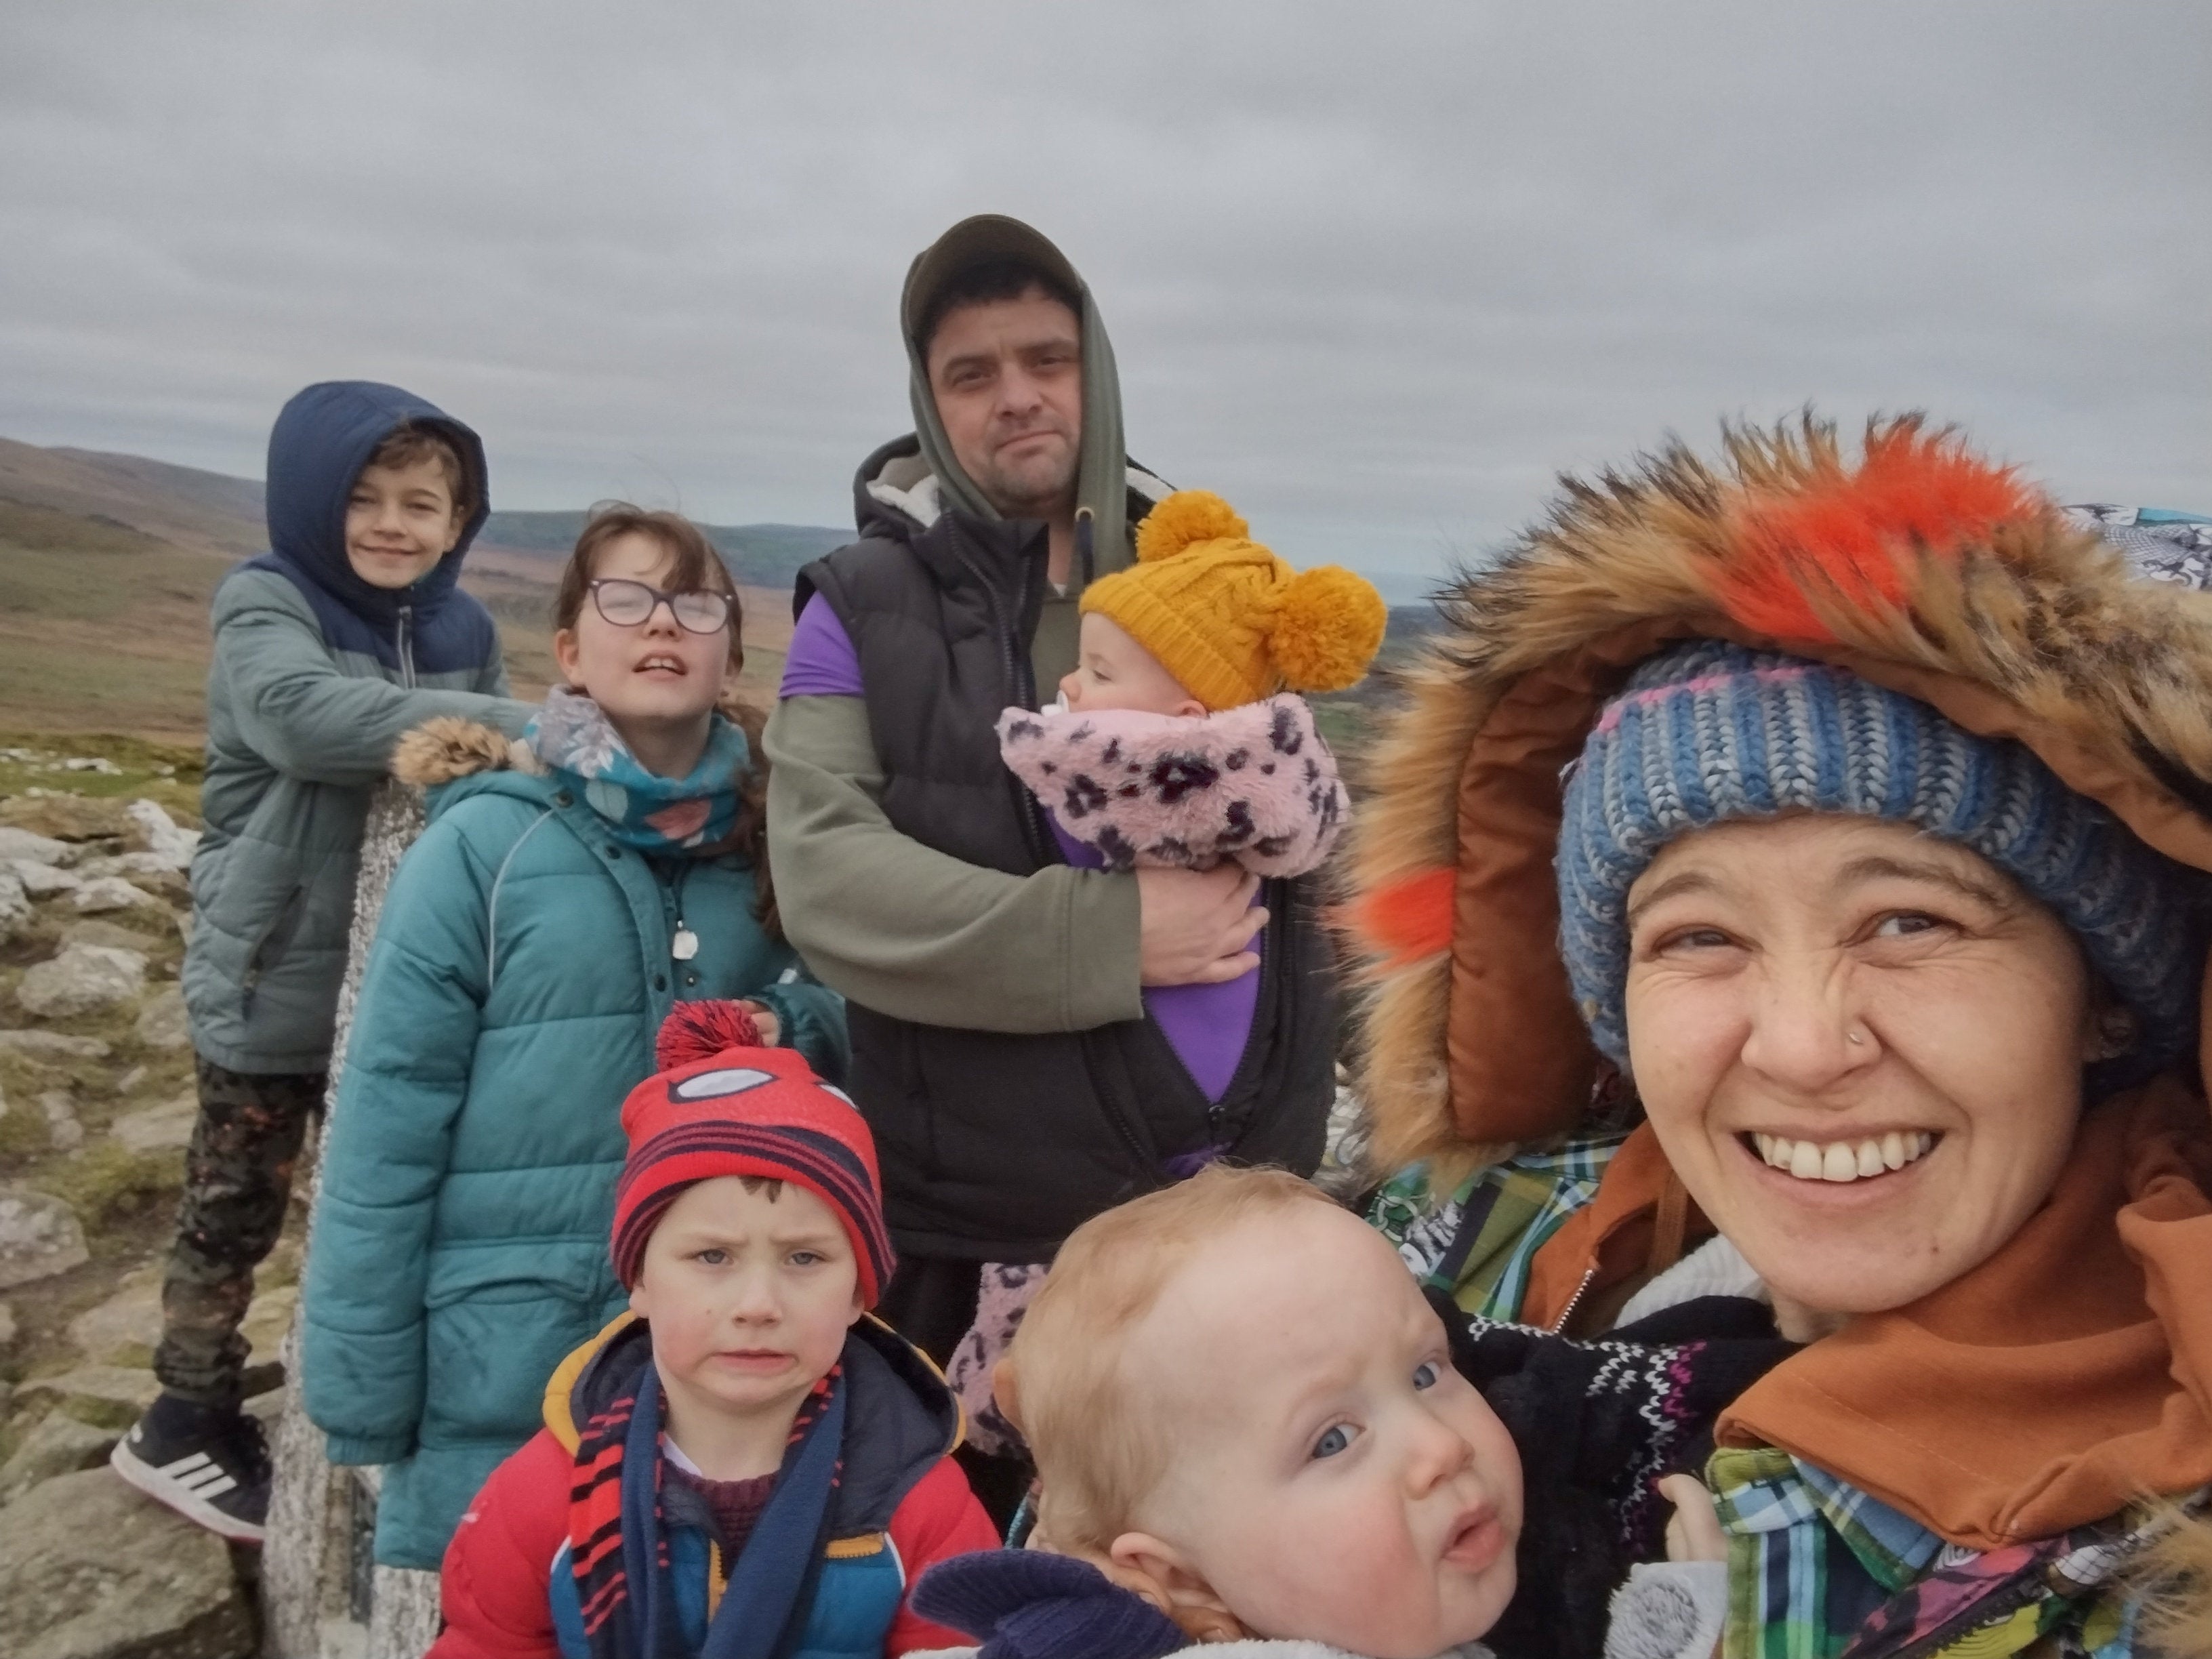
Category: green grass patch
<point>107,1181</point>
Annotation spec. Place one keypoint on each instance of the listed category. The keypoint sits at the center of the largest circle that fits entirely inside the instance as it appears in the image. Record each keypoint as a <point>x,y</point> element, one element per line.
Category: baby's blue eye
<point>1334,1441</point>
<point>1424,1376</point>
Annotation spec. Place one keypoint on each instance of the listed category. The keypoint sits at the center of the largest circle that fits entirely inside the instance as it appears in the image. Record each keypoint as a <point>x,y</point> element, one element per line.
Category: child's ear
<point>638,1304</point>
<point>564,653</point>
<point>1157,1570</point>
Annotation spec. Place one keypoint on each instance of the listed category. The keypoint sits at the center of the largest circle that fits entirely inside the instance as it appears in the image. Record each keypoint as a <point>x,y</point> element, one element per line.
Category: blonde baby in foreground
<point>1249,1430</point>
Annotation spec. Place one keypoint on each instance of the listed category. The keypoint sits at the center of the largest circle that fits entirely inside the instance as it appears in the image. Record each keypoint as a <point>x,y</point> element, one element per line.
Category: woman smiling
<point>1843,822</point>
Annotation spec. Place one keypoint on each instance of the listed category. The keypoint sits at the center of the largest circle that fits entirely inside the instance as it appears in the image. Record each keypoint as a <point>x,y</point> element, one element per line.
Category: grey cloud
<point>1374,272</point>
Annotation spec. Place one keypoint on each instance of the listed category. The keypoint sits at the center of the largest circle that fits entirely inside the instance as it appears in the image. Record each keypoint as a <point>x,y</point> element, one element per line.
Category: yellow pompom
<point>1184,520</point>
<point>1328,625</point>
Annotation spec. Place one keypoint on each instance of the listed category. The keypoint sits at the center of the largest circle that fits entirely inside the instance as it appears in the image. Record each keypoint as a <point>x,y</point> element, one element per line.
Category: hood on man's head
<point>323,438</point>
<point>1102,478</point>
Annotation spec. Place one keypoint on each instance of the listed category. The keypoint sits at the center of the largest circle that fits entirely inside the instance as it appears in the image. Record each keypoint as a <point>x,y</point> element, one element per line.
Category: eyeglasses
<point>626,604</point>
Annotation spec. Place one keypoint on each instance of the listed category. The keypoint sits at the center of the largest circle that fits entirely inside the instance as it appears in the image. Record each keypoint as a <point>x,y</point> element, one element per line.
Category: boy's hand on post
<point>1197,925</point>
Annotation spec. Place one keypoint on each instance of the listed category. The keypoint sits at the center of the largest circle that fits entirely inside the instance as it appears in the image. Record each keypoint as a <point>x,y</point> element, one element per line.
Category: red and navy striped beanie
<point>722,1105</point>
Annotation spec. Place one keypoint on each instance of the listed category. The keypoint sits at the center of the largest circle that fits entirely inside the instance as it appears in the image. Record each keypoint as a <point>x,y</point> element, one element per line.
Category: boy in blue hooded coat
<point>350,630</point>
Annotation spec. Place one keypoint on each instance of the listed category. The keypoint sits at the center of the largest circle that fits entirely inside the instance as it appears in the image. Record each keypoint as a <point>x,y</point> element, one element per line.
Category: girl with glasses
<point>571,887</point>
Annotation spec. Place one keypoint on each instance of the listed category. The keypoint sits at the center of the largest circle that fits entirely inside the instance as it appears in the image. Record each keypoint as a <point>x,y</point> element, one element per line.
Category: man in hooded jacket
<point>1002,1053</point>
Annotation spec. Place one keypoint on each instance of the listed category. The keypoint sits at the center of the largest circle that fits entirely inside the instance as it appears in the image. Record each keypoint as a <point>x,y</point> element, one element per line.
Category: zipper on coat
<point>1560,1325</point>
<point>1021,685</point>
<point>404,638</point>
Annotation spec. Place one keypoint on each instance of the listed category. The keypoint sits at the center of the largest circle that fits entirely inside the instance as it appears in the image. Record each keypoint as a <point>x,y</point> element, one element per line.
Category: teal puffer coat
<point>521,967</point>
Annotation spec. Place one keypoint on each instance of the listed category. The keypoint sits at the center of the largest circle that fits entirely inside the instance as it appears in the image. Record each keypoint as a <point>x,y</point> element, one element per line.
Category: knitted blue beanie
<point>1707,730</point>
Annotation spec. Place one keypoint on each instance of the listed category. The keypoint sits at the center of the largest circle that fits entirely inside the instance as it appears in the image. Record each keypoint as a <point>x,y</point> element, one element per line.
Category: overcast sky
<point>1375,271</point>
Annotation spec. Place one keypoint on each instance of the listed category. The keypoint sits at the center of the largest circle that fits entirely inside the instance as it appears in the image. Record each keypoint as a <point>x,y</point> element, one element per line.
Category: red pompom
<point>699,1031</point>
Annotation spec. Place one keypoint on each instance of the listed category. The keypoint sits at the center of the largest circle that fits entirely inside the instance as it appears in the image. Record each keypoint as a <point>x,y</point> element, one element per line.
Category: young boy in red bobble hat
<point>745,1464</point>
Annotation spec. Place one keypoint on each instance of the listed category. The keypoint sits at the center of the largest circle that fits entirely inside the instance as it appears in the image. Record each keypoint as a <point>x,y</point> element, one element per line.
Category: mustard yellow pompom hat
<point>1230,621</point>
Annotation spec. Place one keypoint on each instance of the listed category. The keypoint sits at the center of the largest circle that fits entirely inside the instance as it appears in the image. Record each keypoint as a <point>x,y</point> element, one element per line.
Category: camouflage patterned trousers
<point>238,1174</point>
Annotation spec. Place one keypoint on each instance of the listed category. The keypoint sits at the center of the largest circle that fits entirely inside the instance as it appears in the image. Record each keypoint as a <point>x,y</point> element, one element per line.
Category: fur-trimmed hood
<point>1917,566</point>
<point>448,748</point>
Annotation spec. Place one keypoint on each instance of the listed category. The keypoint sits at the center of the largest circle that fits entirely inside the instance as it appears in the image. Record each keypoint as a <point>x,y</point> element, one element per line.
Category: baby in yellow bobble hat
<point>1179,739</point>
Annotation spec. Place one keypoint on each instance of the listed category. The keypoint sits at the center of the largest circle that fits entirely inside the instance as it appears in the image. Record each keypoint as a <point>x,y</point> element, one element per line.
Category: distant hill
<point>760,554</point>
<point>204,512</point>
<point>214,513</point>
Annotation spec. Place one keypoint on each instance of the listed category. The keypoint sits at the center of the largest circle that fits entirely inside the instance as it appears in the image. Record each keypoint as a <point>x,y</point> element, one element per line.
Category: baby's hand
<point>1694,1533</point>
<point>765,1021</point>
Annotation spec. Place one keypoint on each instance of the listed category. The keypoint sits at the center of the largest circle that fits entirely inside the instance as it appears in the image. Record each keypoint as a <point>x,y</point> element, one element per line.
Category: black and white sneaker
<point>209,1464</point>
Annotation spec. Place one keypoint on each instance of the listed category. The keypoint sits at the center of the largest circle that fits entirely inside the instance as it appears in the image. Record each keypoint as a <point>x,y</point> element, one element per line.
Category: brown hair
<point>408,444</point>
<point>1099,1450</point>
<point>1008,277</point>
<point>694,565</point>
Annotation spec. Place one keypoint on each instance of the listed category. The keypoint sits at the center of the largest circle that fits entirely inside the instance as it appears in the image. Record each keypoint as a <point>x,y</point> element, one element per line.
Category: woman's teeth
<point>669,663</point>
<point>1845,1160</point>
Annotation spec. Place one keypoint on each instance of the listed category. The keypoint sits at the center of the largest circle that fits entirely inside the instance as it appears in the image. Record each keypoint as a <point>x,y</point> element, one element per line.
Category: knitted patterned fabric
<point>742,1111</point>
<point>1707,730</point>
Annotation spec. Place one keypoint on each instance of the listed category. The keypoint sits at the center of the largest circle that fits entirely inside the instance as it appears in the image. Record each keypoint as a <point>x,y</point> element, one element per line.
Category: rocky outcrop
<point>161,1021</point>
<point>91,1570</point>
<point>110,892</point>
<point>14,904</point>
<point>81,980</point>
<point>39,1236</point>
<point>95,1108</point>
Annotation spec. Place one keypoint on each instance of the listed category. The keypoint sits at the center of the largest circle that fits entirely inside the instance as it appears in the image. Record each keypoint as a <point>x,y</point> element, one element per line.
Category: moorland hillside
<point>107,563</point>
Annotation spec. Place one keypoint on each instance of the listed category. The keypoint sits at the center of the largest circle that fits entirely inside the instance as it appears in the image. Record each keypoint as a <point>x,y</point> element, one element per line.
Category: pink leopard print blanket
<point>1253,783</point>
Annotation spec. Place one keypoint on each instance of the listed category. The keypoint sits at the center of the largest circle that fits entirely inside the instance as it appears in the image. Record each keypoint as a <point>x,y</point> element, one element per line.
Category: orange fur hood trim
<point>1917,565</point>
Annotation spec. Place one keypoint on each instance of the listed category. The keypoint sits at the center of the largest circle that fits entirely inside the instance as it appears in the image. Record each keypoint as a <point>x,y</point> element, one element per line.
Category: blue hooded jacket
<point>321,441</point>
<point>317,673</point>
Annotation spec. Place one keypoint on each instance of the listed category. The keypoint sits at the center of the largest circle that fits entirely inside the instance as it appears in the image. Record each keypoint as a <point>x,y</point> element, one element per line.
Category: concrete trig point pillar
<point>322,1596</point>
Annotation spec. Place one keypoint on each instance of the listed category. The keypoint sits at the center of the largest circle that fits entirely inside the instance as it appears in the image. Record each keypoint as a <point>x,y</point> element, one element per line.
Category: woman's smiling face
<point>1860,1047</point>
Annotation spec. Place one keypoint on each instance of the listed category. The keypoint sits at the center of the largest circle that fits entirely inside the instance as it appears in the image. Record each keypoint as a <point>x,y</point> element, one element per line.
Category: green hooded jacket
<point>316,675</point>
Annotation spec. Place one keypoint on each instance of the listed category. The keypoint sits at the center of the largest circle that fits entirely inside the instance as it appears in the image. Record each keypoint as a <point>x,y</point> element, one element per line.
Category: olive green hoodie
<point>896,925</point>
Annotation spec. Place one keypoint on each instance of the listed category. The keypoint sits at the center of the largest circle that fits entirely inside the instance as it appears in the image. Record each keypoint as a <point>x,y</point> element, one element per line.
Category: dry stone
<point>109,893</point>
<point>126,864</point>
<point>91,1570</point>
<point>58,1444</point>
<point>36,849</point>
<point>39,1237</point>
<point>115,936</point>
<point>80,979</point>
<point>65,817</point>
<point>15,905</point>
<point>124,1329</point>
<point>161,1022</point>
<point>158,1129</point>
<point>165,839</point>
<point>43,880</point>
<point>115,1394</point>
<point>63,1133</point>
<point>53,1045</point>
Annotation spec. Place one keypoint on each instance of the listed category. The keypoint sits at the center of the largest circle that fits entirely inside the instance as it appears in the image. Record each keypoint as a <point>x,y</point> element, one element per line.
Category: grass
<point>104,629</point>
